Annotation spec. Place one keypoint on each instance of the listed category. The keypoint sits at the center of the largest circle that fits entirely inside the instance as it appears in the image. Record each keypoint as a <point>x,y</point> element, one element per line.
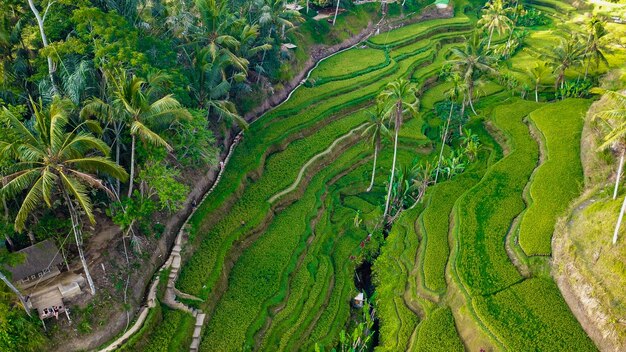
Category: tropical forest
<point>313,175</point>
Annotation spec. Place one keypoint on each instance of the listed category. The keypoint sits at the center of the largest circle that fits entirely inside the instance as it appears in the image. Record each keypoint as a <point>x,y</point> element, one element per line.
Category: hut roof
<point>37,257</point>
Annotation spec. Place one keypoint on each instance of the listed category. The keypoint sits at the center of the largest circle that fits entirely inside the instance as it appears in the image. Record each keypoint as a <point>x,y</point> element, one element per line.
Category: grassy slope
<point>559,178</point>
<point>523,314</point>
<point>321,283</point>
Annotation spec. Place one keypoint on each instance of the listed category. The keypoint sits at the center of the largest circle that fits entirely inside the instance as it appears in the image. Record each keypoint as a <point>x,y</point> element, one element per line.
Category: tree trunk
<point>6,219</point>
<point>490,35</point>
<point>117,154</point>
<point>16,291</point>
<point>619,221</point>
<point>374,167</point>
<point>470,91</point>
<point>393,165</point>
<point>336,12</point>
<point>619,173</point>
<point>44,39</point>
<point>536,93</point>
<point>307,6</point>
<point>78,237</point>
<point>443,142</point>
<point>132,166</point>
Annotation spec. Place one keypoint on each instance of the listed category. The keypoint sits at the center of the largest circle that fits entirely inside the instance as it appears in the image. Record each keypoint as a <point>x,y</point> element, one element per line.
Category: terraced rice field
<point>275,247</point>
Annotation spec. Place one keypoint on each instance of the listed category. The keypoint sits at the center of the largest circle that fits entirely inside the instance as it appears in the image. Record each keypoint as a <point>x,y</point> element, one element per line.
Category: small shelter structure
<point>359,300</point>
<point>442,4</point>
<point>288,46</point>
<point>41,262</point>
<point>294,7</point>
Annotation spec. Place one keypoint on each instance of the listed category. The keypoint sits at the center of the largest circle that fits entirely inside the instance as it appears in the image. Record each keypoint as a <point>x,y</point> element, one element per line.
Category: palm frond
<point>99,164</point>
<point>78,191</point>
<point>146,134</point>
<point>29,204</point>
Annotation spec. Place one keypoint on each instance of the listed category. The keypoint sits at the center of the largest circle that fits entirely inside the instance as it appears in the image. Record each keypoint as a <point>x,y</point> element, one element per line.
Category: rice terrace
<point>315,175</point>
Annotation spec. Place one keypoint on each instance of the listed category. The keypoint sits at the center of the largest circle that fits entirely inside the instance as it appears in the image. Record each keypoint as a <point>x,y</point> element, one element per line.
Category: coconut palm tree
<point>274,15</point>
<point>210,89</point>
<point>595,45</point>
<point>216,24</point>
<point>132,96</point>
<point>398,98</point>
<point>53,162</point>
<point>495,18</point>
<point>457,88</point>
<point>568,54</point>
<point>537,74</point>
<point>472,62</point>
<point>614,117</point>
<point>375,130</point>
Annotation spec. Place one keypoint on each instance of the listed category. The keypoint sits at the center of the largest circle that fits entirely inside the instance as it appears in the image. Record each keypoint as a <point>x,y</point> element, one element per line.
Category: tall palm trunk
<point>619,221</point>
<point>536,92</point>
<point>117,152</point>
<point>78,237</point>
<point>395,152</point>
<point>6,217</point>
<point>44,39</point>
<point>336,12</point>
<point>376,147</point>
<point>490,35</point>
<point>619,173</point>
<point>16,291</point>
<point>470,92</point>
<point>132,165</point>
<point>443,141</point>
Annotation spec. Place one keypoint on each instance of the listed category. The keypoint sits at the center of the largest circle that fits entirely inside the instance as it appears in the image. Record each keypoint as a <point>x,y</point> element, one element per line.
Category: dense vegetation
<point>432,153</point>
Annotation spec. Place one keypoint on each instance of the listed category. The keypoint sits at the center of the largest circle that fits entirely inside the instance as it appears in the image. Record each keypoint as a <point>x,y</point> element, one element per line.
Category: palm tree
<point>453,94</point>
<point>568,54</point>
<point>216,23</point>
<point>44,39</point>
<point>274,14</point>
<point>614,116</point>
<point>375,130</point>
<point>472,62</point>
<point>210,89</point>
<point>595,46</point>
<point>537,74</point>
<point>495,18</point>
<point>398,98</point>
<point>132,95</point>
<point>51,162</point>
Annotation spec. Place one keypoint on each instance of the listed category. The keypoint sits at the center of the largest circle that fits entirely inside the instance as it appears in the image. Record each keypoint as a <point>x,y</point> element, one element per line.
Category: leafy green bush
<point>532,17</point>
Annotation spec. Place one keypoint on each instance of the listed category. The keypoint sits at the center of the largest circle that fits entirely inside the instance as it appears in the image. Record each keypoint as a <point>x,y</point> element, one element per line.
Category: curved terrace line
<point>311,161</point>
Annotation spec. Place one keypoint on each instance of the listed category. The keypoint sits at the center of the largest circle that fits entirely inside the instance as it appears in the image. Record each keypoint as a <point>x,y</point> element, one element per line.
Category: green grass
<point>438,333</point>
<point>532,316</point>
<point>392,270</point>
<point>420,30</point>
<point>486,211</point>
<point>294,282</point>
<point>166,331</point>
<point>558,180</point>
<point>435,222</point>
<point>350,64</point>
